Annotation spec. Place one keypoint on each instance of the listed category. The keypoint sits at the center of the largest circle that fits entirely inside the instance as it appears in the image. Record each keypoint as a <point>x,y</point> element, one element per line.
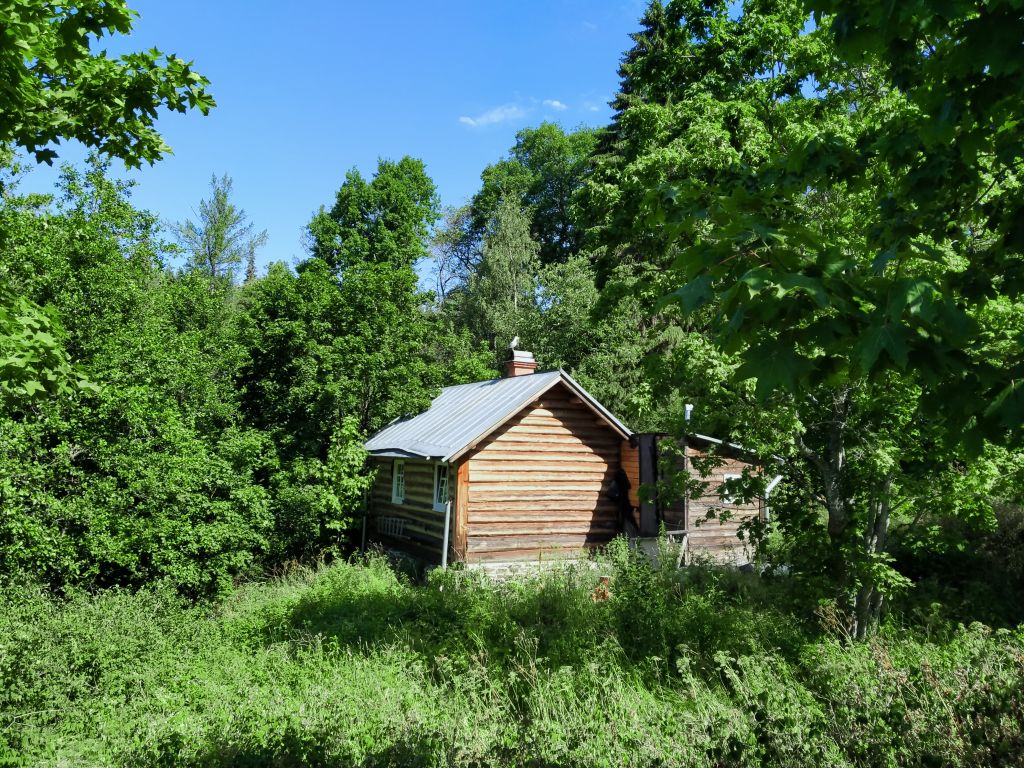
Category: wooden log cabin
<point>522,468</point>
<point>712,520</point>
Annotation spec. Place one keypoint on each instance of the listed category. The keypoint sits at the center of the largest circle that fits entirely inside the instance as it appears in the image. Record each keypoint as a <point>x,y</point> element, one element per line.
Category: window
<point>398,482</point>
<point>440,486</point>
<point>728,498</point>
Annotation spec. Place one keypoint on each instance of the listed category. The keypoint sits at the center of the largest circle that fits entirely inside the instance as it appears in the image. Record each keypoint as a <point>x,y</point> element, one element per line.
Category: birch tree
<point>502,292</point>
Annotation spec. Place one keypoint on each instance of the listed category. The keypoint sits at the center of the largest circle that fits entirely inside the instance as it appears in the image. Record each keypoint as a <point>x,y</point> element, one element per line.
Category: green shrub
<point>353,664</point>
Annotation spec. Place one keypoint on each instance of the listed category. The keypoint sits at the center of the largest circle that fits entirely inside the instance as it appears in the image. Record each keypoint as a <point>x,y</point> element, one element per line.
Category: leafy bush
<point>81,504</point>
<point>353,664</point>
<point>980,578</point>
<point>154,471</point>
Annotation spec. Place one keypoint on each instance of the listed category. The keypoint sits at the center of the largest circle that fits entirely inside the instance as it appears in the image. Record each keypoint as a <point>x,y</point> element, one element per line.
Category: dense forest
<point>805,218</point>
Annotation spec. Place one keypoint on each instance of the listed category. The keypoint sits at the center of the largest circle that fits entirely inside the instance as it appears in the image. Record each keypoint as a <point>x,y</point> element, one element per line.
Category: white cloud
<point>555,104</point>
<point>496,115</point>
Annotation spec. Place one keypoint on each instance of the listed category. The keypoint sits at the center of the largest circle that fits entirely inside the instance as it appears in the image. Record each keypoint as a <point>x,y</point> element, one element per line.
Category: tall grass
<point>352,664</point>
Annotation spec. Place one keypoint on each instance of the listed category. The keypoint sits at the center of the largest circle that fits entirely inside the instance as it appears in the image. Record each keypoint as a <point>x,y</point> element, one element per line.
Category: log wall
<point>540,485</point>
<point>713,523</point>
<point>413,525</point>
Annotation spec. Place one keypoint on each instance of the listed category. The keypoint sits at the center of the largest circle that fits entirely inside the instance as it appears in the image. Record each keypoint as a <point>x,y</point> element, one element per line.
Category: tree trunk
<point>870,599</point>
<point>859,593</point>
<point>833,473</point>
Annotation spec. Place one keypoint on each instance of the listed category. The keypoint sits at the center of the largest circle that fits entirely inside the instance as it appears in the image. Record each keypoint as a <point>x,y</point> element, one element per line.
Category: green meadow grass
<point>353,665</point>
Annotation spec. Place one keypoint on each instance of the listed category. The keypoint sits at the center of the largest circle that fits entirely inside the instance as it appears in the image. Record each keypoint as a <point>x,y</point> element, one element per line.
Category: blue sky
<point>307,91</point>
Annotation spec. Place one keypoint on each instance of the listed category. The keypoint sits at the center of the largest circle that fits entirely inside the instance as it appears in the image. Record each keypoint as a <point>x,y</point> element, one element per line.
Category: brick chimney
<point>520,363</point>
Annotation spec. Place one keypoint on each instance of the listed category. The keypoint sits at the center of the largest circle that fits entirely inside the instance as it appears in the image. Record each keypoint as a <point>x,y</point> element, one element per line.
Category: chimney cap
<point>519,363</point>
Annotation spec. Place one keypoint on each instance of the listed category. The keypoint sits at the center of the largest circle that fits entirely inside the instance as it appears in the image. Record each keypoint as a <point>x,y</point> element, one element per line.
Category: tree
<point>370,241</point>
<point>151,474</point>
<point>923,284</point>
<point>953,155</point>
<point>501,295</point>
<point>339,348</point>
<point>384,221</point>
<point>604,350</point>
<point>643,72</point>
<point>457,247</point>
<point>250,264</point>
<point>53,87</point>
<point>752,185</point>
<point>907,282</point>
<point>544,170</point>
<point>223,237</point>
<point>627,163</point>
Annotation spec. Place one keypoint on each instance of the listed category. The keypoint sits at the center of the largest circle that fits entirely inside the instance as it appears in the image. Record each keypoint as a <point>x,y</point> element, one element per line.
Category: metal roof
<point>718,441</point>
<point>464,414</point>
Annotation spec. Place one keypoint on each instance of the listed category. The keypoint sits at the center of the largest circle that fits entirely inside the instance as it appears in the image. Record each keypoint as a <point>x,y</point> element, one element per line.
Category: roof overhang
<point>393,453</point>
<point>708,440</point>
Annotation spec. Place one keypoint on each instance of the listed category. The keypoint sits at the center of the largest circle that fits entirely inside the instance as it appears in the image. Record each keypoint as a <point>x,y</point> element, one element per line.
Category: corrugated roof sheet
<point>462,414</point>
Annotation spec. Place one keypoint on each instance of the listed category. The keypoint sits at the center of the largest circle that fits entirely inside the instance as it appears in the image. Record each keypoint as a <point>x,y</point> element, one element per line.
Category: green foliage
<point>223,237</point>
<point>544,170</point>
<point>603,349</point>
<point>461,359</point>
<point>316,500</point>
<point>954,157</point>
<point>33,362</point>
<point>362,277</point>
<point>385,221</point>
<point>339,348</point>
<point>55,88</point>
<point>319,351</point>
<point>807,226</point>
<point>961,573</point>
<point>870,223</point>
<point>501,294</point>
<point>353,665</point>
<point>750,175</point>
<point>143,477</point>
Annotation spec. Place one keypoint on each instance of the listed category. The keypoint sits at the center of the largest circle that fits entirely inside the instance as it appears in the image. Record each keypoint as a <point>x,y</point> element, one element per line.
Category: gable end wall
<point>539,486</point>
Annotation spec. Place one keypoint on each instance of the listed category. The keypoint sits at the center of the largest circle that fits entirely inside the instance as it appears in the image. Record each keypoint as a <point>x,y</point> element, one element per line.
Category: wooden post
<point>648,476</point>
<point>447,529</point>
<point>686,471</point>
<point>461,510</point>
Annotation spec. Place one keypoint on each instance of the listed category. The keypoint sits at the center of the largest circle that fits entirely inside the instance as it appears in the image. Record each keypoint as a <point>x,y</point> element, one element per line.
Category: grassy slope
<point>351,665</point>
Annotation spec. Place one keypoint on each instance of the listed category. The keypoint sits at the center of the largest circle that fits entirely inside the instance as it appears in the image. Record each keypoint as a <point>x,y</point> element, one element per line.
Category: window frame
<point>398,479</point>
<point>441,470</point>
<point>726,477</point>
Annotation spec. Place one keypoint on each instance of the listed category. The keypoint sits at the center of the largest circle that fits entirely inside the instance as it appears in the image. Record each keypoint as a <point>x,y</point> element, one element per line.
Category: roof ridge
<point>463,414</point>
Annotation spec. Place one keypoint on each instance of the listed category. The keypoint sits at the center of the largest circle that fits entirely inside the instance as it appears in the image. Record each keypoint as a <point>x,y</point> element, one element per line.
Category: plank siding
<point>460,521</point>
<point>713,523</point>
<point>539,486</point>
<point>708,531</point>
<point>422,529</point>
